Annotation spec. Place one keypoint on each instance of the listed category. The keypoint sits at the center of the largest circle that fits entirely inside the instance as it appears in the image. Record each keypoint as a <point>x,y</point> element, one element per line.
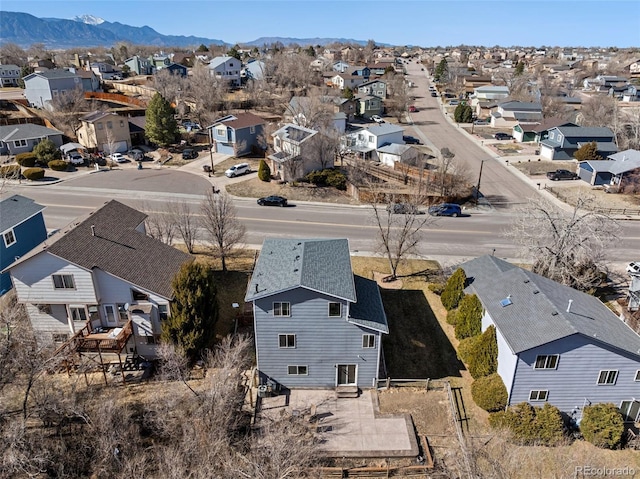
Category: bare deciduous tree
<point>452,176</point>
<point>565,247</point>
<point>221,223</point>
<point>185,222</point>
<point>159,225</point>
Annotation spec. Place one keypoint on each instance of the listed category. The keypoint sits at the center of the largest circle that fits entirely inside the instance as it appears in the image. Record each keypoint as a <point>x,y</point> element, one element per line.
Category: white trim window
<point>63,281</point>
<point>286,341</point>
<point>19,143</point>
<point>607,377</point>
<point>544,361</point>
<point>335,310</point>
<point>297,370</point>
<point>368,341</point>
<point>538,395</point>
<point>282,309</point>
<point>9,238</point>
<point>77,313</point>
<point>630,410</point>
<point>637,378</point>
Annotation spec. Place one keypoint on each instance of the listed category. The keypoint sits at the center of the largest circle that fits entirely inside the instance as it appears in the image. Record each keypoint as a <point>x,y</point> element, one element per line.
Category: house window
<point>607,377</point>
<point>630,410</point>
<point>63,281</point>
<point>297,370</point>
<point>538,395</point>
<point>221,131</point>
<point>93,312</point>
<point>368,341</point>
<point>60,337</point>
<point>252,129</point>
<point>637,379</point>
<point>551,135</point>
<point>371,139</point>
<point>109,124</point>
<point>287,340</point>
<point>19,143</point>
<point>122,312</point>
<point>121,123</point>
<point>110,313</point>
<point>546,361</point>
<point>282,309</point>
<point>335,310</point>
<point>99,125</point>
<point>163,311</point>
<point>9,238</point>
<point>78,313</point>
<point>150,339</point>
<point>139,296</point>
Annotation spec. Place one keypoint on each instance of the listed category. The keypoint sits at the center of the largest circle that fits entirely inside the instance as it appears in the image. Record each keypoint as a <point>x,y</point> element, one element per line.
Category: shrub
<point>602,425</point>
<point>550,425</point>
<point>454,290</point>
<point>264,172</point>
<point>452,317</point>
<point>327,177</point>
<point>33,174</point>
<point>467,348</point>
<point>436,288</point>
<point>10,171</point>
<point>483,358</point>
<point>529,425</point>
<point>47,151</point>
<point>469,317</point>
<point>489,393</point>
<point>28,160</point>
<point>58,165</point>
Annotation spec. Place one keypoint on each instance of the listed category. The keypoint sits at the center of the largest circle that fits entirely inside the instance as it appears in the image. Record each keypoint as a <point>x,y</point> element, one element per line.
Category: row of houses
<point>102,284</point>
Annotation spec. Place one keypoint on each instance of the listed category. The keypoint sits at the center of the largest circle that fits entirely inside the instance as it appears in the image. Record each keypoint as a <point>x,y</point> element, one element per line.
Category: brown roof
<point>549,123</point>
<point>241,120</point>
<point>107,239</point>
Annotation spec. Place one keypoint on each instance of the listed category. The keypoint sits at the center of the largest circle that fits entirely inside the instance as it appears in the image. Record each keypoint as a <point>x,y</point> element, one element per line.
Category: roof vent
<point>535,291</point>
<point>569,306</point>
<point>526,281</point>
<point>506,301</point>
<point>297,258</point>
<point>256,288</point>
<point>555,313</point>
<point>93,230</point>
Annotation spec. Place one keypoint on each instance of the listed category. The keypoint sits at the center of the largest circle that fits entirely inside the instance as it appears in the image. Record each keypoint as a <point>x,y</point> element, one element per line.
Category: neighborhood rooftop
<point>15,209</point>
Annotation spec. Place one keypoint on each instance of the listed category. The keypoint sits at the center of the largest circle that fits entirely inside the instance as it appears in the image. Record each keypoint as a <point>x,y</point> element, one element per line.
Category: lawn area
<point>536,168</point>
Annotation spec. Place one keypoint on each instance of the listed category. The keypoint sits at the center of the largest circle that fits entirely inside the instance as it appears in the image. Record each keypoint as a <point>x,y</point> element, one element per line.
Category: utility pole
<point>479,178</point>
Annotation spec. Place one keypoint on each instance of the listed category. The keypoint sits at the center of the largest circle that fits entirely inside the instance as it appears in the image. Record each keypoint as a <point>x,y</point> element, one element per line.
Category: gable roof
<point>368,311</point>
<point>25,131</point>
<point>321,265</point>
<point>97,115</point>
<point>537,313</point>
<point>294,133</point>
<point>239,121</point>
<point>582,131</point>
<point>520,106</point>
<point>117,248</point>
<point>384,129</point>
<point>217,61</point>
<point>16,209</point>
<point>52,74</point>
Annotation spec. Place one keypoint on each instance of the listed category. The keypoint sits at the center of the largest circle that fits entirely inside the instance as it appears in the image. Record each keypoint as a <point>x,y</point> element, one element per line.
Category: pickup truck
<point>562,175</point>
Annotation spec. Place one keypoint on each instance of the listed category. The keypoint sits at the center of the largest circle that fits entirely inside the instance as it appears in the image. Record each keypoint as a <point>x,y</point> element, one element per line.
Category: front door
<point>110,315</point>
<point>346,374</point>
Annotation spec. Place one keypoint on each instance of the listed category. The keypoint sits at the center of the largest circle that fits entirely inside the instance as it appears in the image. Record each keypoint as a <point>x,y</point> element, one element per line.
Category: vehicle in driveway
<point>237,170</point>
<point>502,136</point>
<point>403,209</point>
<point>117,157</point>
<point>377,119</point>
<point>76,159</point>
<point>445,209</point>
<point>189,154</point>
<point>411,140</point>
<point>413,109</point>
<point>562,175</point>
<point>272,200</point>
<point>135,154</point>
<point>480,122</point>
<point>434,94</point>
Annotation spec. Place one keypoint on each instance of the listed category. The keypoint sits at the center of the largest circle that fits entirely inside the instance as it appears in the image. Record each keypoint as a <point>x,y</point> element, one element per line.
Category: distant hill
<point>24,30</point>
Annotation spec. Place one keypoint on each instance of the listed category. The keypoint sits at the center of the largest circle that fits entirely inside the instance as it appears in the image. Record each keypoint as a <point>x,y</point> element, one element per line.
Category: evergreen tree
<point>161,127</point>
<point>469,317</point>
<point>47,151</point>
<point>588,152</point>
<point>463,113</point>
<point>483,358</point>
<point>311,51</point>
<point>347,93</point>
<point>264,172</point>
<point>602,425</point>
<point>194,311</point>
<point>234,52</point>
<point>519,69</point>
<point>202,48</point>
<point>441,71</point>
<point>454,290</point>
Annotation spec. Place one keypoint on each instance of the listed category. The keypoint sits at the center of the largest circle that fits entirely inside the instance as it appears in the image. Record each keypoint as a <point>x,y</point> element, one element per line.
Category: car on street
<point>377,119</point>
<point>634,268</point>
<point>189,154</point>
<point>445,209</point>
<point>503,136</point>
<point>403,209</point>
<point>562,175</point>
<point>117,157</point>
<point>413,109</point>
<point>410,140</point>
<point>237,170</point>
<point>272,200</point>
<point>76,159</point>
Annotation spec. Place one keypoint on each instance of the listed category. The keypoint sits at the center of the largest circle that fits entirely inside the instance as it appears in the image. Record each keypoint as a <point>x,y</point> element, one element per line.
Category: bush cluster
<point>436,288</point>
<point>264,172</point>
<point>483,357</point>
<point>490,393</point>
<point>28,160</point>
<point>467,348</point>
<point>58,165</point>
<point>602,425</point>
<point>327,177</point>
<point>529,425</point>
<point>452,317</point>
<point>10,171</point>
<point>469,317</point>
<point>33,174</point>
<point>454,290</point>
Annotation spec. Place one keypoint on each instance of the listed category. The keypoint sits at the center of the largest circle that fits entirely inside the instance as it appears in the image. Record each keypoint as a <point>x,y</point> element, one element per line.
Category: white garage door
<point>118,147</point>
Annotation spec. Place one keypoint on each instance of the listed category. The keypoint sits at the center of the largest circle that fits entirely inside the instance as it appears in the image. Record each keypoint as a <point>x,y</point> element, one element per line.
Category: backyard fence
<point>604,211</point>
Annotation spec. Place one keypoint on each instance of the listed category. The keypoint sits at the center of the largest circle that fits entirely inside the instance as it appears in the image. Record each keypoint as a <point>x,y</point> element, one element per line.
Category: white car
<point>117,157</point>
<point>377,119</point>
<point>237,170</point>
<point>634,268</point>
<point>76,159</point>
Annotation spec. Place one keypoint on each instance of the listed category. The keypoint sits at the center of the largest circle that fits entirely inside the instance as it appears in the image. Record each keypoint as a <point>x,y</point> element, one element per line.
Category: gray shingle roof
<point>57,73</point>
<point>384,129</point>
<point>16,209</point>
<point>294,133</point>
<point>520,106</point>
<point>368,311</point>
<point>25,131</point>
<point>394,149</point>
<point>321,265</point>
<point>538,313</point>
<point>584,131</point>
<point>117,248</point>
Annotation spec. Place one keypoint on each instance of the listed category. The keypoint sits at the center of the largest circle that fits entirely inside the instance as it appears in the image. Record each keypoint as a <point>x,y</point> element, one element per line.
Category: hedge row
<point>58,165</point>
<point>529,425</point>
<point>602,425</point>
<point>28,160</point>
<point>490,393</point>
<point>327,177</point>
<point>454,290</point>
<point>469,317</point>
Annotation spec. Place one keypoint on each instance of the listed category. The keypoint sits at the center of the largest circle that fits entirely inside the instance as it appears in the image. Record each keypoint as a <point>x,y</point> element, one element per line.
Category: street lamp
<point>478,186</point>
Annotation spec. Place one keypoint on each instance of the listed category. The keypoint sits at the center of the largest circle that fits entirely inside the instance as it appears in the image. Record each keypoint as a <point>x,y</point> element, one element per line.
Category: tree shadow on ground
<point>416,346</point>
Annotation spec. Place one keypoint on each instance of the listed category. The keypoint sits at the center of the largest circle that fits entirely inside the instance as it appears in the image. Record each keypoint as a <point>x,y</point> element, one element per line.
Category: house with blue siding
<point>611,172</point>
<point>556,344</point>
<point>139,66</point>
<point>237,134</point>
<point>41,87</point>
<point>227,69</point>
<point>23,138</point>
<point>317,324</point>
<point>562,142</point>
<point>22,229</point>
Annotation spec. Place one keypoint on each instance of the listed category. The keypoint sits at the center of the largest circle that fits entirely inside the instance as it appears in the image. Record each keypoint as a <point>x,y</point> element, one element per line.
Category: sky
<point>397,22</point>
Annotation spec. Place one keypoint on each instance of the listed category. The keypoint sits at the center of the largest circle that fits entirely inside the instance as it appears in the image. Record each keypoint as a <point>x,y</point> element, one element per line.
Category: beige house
<point>104,131</point>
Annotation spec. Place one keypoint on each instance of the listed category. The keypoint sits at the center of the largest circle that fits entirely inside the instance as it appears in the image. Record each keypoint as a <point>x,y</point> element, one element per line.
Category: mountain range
<point>24,30</point>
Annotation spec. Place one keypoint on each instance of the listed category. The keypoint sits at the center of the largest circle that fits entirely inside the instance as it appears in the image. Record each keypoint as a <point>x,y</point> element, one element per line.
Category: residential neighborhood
<point>427,298</point>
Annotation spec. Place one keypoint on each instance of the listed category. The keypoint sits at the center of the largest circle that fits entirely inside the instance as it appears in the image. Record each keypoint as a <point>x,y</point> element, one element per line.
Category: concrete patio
<point>347,427</point>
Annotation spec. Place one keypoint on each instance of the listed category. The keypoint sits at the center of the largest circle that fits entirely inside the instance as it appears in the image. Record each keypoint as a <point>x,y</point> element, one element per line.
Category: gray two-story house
<point>40,88</point>
<point>562,142</point>
<point>237,134</point>
<point>556,344</point>
<point>317,324</point>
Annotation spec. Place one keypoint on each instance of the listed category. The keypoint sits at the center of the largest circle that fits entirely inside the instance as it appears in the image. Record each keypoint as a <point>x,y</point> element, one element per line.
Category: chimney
<point>569,306</point>
<point>93,230</point>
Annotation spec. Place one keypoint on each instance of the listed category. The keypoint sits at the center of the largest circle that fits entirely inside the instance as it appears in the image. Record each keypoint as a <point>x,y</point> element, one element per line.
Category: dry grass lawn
<point>254,188</point>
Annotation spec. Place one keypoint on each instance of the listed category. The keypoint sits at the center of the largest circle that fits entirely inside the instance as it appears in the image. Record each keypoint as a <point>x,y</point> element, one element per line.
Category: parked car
<point>454,103</point>
<point>190,125</point>
<point>189,154</point>
<point>413,109</point>
<point>76,159</point>
<point>634,268</point>
<point>135,154</point>
<point>411,140</point>
<point>562,175</point>
<point>237,170</point>
<point>403,209</point>
<point>445,209</point>
<point>481,122</point>
<point>117,157</point>
<point>502,136</point>
<point>273,200</point>
<point>434,94</point>
<point>377,119</point>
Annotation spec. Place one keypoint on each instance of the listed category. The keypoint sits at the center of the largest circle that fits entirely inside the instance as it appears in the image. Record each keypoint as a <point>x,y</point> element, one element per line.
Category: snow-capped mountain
<point>88,19</point>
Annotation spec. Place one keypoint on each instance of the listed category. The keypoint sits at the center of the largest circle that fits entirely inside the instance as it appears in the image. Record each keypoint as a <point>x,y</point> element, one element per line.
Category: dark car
<point>445,209</point>
<point>411,140</point>
<point>189,154</point>
<point>503,136</point>
<point>403,209</point>
<point>273,201</point>
<point>562,175</point>
<point>434,94</point>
